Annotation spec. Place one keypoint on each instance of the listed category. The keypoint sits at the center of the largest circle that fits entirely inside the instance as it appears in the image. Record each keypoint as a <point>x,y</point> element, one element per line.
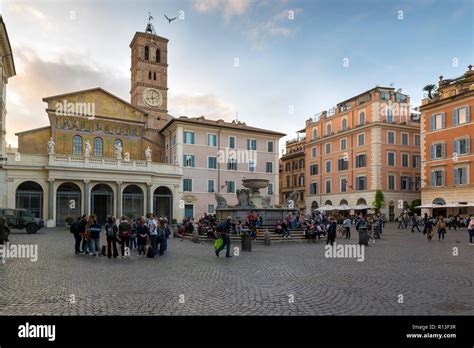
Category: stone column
<point>119,199</point>
<point>51,201</point>
<point>86,197</point>
<point>149,202</point>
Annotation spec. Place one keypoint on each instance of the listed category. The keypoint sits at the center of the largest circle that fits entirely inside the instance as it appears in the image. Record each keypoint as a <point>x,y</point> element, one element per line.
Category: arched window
<point>149,75</point>
<point>147,53</point>
<point>328,129</point>
<point>362,118</point>
<point>344,123</point>
<point>154,76</point>
<point>77,145</point>
<point>158,58</point>
<point>98,146</point>
<point>315,133</point>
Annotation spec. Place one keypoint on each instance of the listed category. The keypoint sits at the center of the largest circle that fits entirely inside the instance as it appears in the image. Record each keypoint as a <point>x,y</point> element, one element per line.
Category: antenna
<point>237,117</point>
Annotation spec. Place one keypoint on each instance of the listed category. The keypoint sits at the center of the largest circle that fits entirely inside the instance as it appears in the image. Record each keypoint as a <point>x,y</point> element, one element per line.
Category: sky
<point>274,63</point>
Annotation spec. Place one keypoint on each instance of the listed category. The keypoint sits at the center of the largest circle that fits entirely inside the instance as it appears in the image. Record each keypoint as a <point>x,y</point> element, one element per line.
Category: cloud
<point>37,78</point>
<point>209,105</point>
<point>228,8</point>
<point>279,24</point>
<point>29,11</point>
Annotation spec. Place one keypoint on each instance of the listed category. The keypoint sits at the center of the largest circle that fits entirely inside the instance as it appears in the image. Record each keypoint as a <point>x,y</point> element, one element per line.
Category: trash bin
<point>363,238</point>
<point>246,242</point>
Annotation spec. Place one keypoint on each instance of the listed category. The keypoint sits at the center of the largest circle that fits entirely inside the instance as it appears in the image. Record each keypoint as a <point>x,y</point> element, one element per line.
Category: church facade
<point>105,156</point>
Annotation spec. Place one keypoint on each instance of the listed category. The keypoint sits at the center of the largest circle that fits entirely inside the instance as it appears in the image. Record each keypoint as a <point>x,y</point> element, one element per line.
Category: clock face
<point>152,97</point>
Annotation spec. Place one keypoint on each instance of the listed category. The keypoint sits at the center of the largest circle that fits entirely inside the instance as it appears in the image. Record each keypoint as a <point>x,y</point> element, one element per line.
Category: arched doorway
<point>132,202</point>
<point>68,202</point>
<point>314,206</point>
<point>343,201</point>
<point>29,195</point>
<point>391,211</point>
<point>439,211</point>
<point>163,202</point>
<point>102,202</point>
<point>328,202</point>
<point>361,201</point>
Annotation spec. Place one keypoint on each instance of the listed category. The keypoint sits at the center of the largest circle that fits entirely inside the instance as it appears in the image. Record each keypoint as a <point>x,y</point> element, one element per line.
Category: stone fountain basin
<point>255,184</point>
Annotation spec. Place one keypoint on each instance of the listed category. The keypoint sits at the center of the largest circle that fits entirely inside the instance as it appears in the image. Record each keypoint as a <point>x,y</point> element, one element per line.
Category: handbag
<point>218,243</point>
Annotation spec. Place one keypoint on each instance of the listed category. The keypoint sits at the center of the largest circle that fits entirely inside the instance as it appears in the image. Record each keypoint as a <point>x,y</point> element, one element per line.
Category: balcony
<point>94,163</point>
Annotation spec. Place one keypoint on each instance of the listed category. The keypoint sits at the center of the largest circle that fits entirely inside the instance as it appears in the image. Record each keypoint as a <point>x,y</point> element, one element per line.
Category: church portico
<point>54,190</point>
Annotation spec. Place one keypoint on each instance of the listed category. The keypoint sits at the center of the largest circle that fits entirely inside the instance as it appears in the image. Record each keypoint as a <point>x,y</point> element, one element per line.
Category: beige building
<point>215,156</point>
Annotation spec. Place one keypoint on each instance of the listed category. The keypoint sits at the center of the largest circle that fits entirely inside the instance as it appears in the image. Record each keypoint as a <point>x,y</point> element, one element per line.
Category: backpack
<point>74,227</point>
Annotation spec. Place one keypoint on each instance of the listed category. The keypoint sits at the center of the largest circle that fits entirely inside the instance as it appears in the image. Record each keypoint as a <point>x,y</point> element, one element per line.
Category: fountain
<point>250,200</point>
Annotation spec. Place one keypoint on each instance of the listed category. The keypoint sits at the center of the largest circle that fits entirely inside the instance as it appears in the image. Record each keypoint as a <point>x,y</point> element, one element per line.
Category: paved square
<point>431,280</point>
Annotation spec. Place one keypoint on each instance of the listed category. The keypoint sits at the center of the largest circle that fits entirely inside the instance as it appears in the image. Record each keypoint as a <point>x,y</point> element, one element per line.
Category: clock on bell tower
<point>149,85</point>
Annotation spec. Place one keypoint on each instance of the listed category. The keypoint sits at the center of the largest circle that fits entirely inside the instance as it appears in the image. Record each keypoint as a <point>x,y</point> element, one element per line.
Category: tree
<point>379,201</point>
<point>430,88</point>
<point>414,204</point>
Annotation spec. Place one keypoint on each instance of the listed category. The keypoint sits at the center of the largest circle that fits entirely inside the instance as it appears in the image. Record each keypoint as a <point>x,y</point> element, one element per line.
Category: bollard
<point>266,236</point>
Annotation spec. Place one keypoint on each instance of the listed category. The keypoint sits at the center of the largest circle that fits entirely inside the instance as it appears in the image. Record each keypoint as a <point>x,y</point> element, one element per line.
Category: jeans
<point>471,235</point>
<point>111,241</point>
<point>226,239</point>
<point>77,245</point>
<point>154,241</point>
<point>124,243</point>
<point>87,246</point>
<point>163,245</point>
<point>348,232</point>
<point>441,234</point>
<point>133,242</point>
<point>95,245</point>
<point>413,227</point>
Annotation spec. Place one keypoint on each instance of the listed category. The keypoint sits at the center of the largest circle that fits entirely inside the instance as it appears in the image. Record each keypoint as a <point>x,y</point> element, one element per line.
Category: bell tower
<point>149,68</point>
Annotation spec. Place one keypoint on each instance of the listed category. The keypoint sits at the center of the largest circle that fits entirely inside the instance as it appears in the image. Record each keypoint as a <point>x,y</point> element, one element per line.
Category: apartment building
<point>366,143</point>
<point>215,156</point>
<point>447,158</point>
<point>292,173</point>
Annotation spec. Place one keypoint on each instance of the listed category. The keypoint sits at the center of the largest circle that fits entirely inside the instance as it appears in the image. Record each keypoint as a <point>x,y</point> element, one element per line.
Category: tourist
<point>152,228</point>
<point>142,236</point>
<point>133,235</point>
<point>253,232</point>
<point>470,229</point>
<point>361,227</point>
<point>347,226</point>
<point>414,223</point>
<point>331,236</point>
<point>95,229</point>
<point>429,228</point>
<point>82,232</point>
<point>87,244</point>
<point>76,230</point>
<point>441,228</point>
<point>224,229</point>
<point>278,228</point>
<point>111,230</point>
<point>124,230</point>
<point>285,230</point>
<point>163,234</point>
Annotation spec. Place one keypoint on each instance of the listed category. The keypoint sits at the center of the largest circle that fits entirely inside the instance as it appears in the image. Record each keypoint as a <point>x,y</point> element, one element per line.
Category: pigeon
<point>169,19</point>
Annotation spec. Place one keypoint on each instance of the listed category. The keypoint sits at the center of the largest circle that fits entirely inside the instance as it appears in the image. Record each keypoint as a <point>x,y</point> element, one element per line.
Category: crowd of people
<point>441,225</point>
<point>149,236</point>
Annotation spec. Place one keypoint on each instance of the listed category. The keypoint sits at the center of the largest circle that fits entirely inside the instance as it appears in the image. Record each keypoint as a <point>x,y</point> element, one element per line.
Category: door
<point>188,211</point>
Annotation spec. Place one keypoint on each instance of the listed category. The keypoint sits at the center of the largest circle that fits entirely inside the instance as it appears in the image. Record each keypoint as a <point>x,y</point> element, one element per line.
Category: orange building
<point>292,172</point>
<point>367,143</point>
<point>447,132</point>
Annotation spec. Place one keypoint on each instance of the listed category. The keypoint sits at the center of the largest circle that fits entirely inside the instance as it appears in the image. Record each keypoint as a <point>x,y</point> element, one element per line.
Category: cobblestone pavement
<point>431,280</point>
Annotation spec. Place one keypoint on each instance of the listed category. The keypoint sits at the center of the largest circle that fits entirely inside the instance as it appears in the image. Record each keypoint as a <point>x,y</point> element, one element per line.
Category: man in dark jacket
<point>224,228</point>
<point>332,231</point>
